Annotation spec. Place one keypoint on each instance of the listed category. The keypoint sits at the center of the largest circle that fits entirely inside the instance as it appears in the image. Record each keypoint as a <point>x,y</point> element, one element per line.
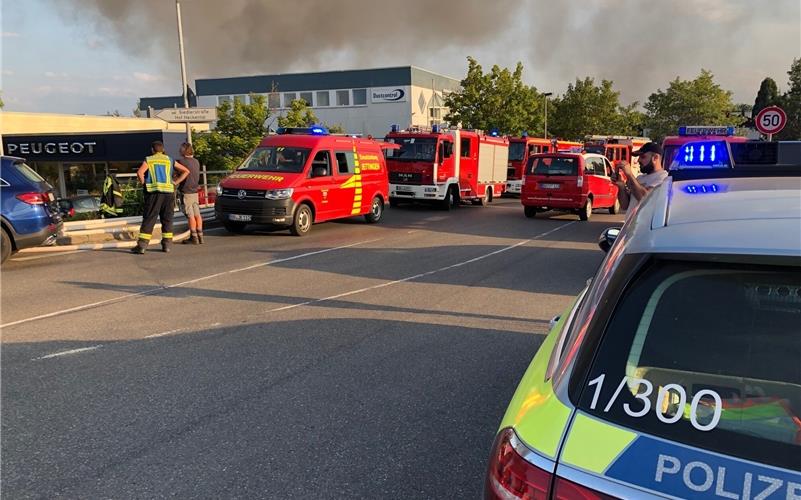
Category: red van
<point>302,176</point>
<point>573,182</point>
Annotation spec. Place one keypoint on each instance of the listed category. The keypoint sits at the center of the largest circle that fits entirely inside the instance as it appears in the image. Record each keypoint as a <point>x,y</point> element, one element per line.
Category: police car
<point>677,372</point>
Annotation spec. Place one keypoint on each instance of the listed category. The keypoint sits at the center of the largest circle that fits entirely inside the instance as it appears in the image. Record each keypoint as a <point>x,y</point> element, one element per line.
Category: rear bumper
<point>566,202</point>
<point>45,236</point>
<point>277,212</point>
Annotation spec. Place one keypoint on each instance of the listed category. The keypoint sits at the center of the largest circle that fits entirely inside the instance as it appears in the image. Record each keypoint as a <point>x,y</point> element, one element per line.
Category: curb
<point>98,246</point>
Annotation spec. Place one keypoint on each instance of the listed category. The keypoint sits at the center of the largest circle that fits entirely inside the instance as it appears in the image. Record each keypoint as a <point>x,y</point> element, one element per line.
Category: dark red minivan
<point>572,182</point>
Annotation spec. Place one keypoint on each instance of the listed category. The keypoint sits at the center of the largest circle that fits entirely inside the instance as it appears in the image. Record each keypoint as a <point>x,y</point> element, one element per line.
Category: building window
<point>243,99</point>
<point>223,98</point>
<point>307,96</point>
<point>274,101</point>
<point>288,98</point>
<point>359,97</point>
<point>323,99</point>
<point>343,97</point>
<point>435,112</point>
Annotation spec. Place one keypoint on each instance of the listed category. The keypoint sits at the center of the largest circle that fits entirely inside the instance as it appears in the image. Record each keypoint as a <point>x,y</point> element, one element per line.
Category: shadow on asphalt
<point>300,409</point>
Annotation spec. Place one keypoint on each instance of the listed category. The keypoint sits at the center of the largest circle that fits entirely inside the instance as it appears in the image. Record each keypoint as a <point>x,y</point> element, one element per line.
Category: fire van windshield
<point>516,150</point>
<point>277,159</point>
<point>413,149</point>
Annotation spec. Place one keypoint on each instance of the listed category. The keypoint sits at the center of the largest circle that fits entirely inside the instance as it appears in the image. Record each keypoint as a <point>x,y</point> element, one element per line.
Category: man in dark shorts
<point>189,190</point>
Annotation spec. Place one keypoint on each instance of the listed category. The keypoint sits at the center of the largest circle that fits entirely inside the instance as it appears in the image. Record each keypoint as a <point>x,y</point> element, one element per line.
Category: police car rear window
<point>553,166</point>
<point>709,356</point>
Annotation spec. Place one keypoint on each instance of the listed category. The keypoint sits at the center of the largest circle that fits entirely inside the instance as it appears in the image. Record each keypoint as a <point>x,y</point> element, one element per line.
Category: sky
<point>98,56</point>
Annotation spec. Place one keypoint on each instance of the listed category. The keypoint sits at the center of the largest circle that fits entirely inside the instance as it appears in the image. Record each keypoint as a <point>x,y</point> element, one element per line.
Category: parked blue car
<point>28,210</point>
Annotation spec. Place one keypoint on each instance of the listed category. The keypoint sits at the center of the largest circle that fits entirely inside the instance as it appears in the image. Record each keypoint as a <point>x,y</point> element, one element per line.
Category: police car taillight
<point>510,476</point>
<point>568,490</point>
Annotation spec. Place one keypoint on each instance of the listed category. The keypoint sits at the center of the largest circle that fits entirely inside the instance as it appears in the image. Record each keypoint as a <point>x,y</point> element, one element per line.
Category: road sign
<point>771,120</point>
<point>188,115</point>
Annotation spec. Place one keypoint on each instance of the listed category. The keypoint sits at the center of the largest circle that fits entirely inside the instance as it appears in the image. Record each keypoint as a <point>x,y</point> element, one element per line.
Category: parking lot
<point>359,361</point>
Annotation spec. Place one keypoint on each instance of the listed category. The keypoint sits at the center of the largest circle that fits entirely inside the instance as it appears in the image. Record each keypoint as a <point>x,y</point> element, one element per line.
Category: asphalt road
<point>362,361</point>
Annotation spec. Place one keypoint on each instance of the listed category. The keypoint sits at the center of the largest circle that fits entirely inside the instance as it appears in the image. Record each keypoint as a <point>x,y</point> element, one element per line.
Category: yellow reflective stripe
<point>355,211</point>
<point>356,198</point>
<point>594,445</point>
<point>357,170</point>
<point>145,236</point>
<point>358,190</point>
<point>166,235</point>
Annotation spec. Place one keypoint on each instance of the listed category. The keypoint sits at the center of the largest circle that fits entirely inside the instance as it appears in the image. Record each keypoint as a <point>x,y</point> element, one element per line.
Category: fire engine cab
<point>615,147</point>
<point>520,149</point>
<point>446,167</point>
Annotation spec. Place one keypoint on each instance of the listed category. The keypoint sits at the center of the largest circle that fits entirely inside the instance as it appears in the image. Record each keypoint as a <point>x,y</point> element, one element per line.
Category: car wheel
<point>447,203</point>
<point>614,209</point>
<point>487,199</point>
<point>530,212</point>
<point>376,210</point>
<point>5,247</point>
<point>302,222</point>
<point>234,227</point>
<point>586,212</point>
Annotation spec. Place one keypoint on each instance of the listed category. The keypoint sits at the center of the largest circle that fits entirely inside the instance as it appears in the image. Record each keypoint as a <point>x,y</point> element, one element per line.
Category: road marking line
<point>67,353</point>
<point>162,334</point>
<point>421,275</point>
<point>183,283</point>
<point>22,259</point>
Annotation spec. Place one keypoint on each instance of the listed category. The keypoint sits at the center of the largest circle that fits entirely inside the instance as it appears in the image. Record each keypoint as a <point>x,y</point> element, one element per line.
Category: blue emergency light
<point>524,133</point>
<point>704,188</point>
<point>494,132</point>
<point>313,130</point>
<point>318,130</point>
<point>694,130</point>
<point>702,155</point>
<point>435,128</point>
<point>394,128</point>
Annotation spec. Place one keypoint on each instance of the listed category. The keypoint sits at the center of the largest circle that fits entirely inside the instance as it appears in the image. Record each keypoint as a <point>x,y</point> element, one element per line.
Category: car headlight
<point>219,190</point>
<point>278,194</point>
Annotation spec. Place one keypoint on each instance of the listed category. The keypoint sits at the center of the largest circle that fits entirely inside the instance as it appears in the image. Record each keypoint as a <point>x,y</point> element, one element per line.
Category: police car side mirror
<point>608,238</point>
<point>319,171</point>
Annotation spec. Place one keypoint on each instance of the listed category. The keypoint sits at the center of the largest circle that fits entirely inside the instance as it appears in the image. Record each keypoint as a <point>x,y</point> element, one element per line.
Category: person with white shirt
<point>634,189</point>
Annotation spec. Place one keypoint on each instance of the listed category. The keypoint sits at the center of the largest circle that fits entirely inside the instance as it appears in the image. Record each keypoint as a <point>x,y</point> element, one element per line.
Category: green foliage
<point>498,99</point>
<point>240,128</point>
<point>586,108</point>
<point>768,95</point>
<point>299,115</point>
<point>336,128</point>
<point>687,102</point>
<point>791,103</point>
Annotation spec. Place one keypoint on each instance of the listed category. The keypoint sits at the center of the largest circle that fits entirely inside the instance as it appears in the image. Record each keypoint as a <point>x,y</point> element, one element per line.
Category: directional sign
<point>188,115</point>
<point>771,120</point>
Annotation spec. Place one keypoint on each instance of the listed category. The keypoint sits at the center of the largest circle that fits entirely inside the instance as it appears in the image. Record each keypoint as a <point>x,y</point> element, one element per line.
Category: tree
<point>687,102</point>
<point>239,129</point>
<point>299,115</point>
<point>586,108</point>
<point>791,103</point>
<point>768,95</point>
<point>495,100</point>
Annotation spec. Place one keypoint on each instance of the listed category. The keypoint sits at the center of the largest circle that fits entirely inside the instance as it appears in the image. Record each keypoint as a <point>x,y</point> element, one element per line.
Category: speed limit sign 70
<point>771,120</point>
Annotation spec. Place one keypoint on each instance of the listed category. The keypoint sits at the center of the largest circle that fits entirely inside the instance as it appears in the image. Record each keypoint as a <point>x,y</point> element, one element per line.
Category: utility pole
<point>183,66</point>
<point>546,95</point>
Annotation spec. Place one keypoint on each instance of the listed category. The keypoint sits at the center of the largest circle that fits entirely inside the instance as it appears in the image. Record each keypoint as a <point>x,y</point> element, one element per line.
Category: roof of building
<point>21,123</point>
<point>325,80</point>
<point>176,101</point>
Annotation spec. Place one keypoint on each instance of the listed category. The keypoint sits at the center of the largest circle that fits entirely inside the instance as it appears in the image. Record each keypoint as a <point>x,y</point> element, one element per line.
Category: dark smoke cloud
<point>640,44</point>
<point>235,37</point>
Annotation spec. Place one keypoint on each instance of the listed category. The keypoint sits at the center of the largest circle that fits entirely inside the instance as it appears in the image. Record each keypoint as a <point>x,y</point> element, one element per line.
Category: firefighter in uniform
<point>156,174</point>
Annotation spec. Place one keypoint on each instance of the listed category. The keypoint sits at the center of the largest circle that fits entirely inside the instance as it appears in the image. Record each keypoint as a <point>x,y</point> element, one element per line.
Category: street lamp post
<point>546,95</point>
<point>183,66</point>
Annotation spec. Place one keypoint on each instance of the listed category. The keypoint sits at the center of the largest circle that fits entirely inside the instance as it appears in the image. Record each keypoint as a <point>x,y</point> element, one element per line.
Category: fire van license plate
<point>548,185</point>
<point>240,218</point>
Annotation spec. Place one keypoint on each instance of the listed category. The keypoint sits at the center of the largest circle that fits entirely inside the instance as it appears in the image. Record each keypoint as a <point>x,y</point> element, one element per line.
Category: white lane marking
<point>422,275</point>
<point>22,259</point>
<point>183,283</point>
<point>67,353</point>
<point>162,334</point>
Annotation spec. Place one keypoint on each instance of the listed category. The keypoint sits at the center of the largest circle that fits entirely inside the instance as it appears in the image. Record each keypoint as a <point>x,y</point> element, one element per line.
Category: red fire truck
<point>672,143</point>
<point>446,167</point>
<point>615,147</point>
